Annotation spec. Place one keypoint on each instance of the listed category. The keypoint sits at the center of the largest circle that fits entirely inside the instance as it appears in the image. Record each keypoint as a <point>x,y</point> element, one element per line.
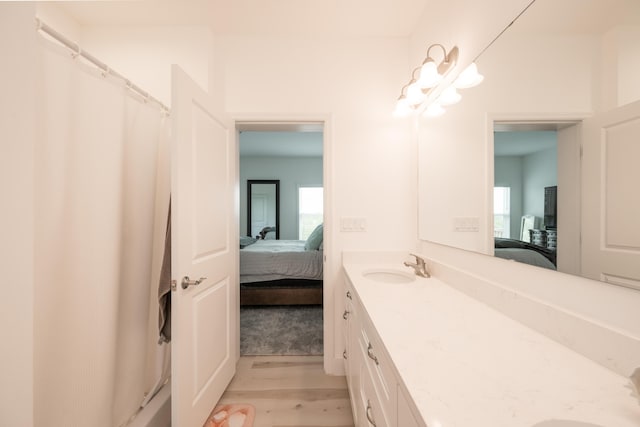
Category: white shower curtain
<point>101,188</point>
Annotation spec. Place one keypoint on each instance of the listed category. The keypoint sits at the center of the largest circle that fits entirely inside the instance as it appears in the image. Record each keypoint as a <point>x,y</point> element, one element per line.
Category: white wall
<point>539,170</point>
<point>470,25</point>
<point>455,160</point>
<point>595,319</point>
<point>18,108</point>
<point>143,54</point>
<point>371,167</point>
<point>351,84</point>
<point>622,47</point>
<point>292,172</point>
<point>527,176</point>
<point>508,173</point>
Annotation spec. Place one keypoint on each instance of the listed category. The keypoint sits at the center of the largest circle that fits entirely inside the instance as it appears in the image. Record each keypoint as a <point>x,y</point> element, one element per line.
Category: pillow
<point>314,240</point>
<point>246,241</point>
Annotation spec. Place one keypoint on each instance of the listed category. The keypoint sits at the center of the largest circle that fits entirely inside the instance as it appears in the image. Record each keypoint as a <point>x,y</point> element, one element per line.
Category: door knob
<point>186,282</point>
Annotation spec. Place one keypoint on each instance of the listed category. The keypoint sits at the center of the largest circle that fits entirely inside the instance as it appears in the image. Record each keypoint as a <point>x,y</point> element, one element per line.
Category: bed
<point>527,253</point>
<point>281,272</point>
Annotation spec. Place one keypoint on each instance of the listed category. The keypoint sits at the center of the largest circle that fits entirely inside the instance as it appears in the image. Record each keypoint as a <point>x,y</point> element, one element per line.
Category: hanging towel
<point>164,288</point>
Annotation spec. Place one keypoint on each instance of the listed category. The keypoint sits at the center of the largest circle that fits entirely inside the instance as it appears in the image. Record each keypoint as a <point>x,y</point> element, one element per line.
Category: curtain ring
<point>77,52</point>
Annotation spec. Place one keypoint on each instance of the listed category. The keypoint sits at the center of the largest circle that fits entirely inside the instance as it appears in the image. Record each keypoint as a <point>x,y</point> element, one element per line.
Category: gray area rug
<point>283,330</point>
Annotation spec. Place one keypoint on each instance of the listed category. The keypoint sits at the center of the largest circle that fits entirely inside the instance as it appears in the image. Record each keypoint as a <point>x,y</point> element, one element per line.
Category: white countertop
<point>467,365</point>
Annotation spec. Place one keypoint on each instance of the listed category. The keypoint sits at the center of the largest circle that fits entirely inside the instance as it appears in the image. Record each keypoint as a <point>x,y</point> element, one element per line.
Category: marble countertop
<point>467,365</point>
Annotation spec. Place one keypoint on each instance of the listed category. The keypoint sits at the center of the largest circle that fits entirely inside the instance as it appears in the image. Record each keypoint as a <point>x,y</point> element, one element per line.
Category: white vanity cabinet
<point>352,359</point>
<point>376,397</point>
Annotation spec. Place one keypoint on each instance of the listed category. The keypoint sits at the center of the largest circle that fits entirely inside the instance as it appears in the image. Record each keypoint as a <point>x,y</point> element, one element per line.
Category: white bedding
<point>279,259</point>
<point>526,256</point>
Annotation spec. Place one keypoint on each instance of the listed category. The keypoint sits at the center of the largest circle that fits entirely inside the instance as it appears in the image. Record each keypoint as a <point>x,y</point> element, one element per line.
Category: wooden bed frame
<point>282,292</point>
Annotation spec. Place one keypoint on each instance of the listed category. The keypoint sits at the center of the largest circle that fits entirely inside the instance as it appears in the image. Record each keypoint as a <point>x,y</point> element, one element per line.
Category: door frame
<point>523,121</point>
<point>276,183</point>
<point>305,122</point>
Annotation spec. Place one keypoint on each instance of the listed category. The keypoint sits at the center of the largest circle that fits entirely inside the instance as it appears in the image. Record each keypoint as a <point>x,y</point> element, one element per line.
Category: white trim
<point>560,120</point>
<point>333,363</point>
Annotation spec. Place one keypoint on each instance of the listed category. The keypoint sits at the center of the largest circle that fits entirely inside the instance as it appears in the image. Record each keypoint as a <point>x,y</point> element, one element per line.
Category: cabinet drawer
<point>405,416</point>
<point>372,414</point>
<point>380,367</point>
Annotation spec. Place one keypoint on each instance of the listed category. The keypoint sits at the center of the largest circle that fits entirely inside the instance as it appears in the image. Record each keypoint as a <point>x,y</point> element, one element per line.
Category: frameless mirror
<point>560,66</point>
<point>263,209</point>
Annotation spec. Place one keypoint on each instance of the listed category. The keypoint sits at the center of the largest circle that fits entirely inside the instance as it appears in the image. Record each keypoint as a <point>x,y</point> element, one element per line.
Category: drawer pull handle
<point>349,295</point>
<point>371,355</point>
<point>344,355</point>
<point>369,416</point>
<point>345,315</point>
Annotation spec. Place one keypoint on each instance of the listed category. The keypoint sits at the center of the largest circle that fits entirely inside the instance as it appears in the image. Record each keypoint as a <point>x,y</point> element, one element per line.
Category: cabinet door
<point>405,416</point>
<point>380,367</point>
<point>371,414</point>
<point>351,354</point>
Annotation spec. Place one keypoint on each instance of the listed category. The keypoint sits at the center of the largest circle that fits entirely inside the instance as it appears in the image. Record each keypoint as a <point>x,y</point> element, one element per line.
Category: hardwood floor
<point>290,391</point>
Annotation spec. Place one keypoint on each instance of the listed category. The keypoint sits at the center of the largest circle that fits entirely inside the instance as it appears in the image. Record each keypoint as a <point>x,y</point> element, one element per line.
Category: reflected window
<point>501,212</point>
<point>310,203</point>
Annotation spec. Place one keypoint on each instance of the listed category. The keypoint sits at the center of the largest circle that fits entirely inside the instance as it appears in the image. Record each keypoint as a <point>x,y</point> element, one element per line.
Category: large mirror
<point>564,71</point>
<point>263,208</point>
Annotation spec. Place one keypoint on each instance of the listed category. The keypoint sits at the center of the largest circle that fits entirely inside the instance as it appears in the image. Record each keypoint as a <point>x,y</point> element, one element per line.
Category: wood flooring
<point>290,391</point>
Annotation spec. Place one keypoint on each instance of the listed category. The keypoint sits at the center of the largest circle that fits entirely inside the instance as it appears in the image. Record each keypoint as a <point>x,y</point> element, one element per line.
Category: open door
<point>204,252</point>
<point>610,197</point>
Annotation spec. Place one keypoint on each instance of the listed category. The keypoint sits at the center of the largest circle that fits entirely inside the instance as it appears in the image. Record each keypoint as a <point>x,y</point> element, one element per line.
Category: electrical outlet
<point>353,224</point>
<point>466,224</point>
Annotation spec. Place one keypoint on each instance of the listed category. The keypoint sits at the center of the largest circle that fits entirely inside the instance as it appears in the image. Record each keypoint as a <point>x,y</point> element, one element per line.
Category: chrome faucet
<point>420,267</point>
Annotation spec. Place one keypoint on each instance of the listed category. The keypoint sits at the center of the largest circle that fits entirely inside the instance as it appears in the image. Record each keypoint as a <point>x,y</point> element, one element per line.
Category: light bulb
<point>449,96</point>
<point>434,110</point>
<point>414,94</point>
<point>429,76</point>
<point>403,108</point>
<point>469,77</point>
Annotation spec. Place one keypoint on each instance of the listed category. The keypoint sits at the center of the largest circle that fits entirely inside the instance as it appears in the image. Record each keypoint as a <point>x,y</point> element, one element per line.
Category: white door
<point>259,213</point>
<point>610,196</point>
<point>204,317</point>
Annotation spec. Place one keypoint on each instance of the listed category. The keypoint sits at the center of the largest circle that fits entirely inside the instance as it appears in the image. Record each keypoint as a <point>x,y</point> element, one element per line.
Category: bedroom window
<point>501,212</point>
<point>309,210</point>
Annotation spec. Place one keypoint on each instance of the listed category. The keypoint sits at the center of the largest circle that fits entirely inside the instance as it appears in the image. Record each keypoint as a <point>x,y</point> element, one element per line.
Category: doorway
<point>272,294</point>
<point>535,192</point>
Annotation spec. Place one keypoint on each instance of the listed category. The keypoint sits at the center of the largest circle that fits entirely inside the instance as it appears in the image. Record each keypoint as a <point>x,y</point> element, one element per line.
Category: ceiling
<point>280,144</point>
<point>383,18</point>
<point>523,143</point>
<point>586,16</point>
<point>390,18</point>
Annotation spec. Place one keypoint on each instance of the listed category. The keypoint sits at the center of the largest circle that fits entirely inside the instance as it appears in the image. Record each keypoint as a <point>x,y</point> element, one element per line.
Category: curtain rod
<point>41,26</point>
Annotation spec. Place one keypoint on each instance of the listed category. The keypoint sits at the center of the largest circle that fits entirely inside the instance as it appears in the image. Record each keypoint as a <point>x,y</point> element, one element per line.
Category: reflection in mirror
<point>263,209</point>
<point>525,196</point>
<point>571,67</point>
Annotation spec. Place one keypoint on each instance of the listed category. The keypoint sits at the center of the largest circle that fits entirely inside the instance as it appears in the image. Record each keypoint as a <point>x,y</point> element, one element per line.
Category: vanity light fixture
<point>469,77</point>
<point>429,81</point>
<point>434,109</point>
<point>449,96</point>
<point>403,107</point>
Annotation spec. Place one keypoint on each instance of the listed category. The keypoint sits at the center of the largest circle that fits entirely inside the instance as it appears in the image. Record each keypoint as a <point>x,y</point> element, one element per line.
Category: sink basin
<point>389,276</point>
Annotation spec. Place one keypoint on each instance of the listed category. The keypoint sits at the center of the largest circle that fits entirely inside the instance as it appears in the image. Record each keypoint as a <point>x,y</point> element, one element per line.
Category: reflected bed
<point>524,252</point>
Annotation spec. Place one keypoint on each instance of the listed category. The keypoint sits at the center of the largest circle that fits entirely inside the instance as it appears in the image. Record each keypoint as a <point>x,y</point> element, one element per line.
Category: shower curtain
<point>102,194</point>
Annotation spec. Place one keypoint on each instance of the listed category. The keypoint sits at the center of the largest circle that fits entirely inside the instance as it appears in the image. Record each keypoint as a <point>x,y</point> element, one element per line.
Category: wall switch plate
<point>466,224</point>
<point>353,224</point>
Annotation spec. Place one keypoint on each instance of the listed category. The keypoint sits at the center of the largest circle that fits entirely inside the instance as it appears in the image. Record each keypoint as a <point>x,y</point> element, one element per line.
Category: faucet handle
<point>420,267</point>
<point>418,258</point>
